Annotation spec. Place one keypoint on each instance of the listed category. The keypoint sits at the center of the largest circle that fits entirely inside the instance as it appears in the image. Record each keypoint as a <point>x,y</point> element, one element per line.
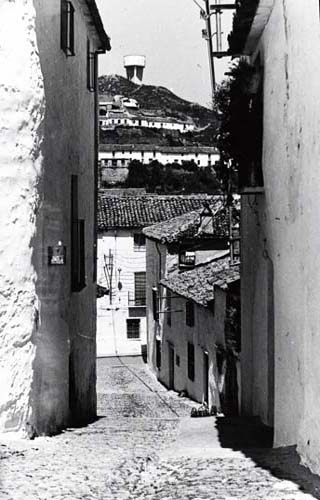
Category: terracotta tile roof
<point>117,211</point>
<point>197,284</point>
<point>190,226</point>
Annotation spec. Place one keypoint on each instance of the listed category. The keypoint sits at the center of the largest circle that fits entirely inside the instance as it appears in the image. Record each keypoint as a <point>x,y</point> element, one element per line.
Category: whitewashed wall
<point>289,217</point>
<point>111,318</point>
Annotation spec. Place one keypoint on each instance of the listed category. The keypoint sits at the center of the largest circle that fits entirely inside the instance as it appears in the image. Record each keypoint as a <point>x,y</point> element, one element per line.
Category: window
<point>155,307</point>
<point>67,28</point>
<point>158,354</point>
<point>91,69</point>
<point>139,242</point>
<point>133,329</point>
<point>77,241</point>
<point>191,370</point>
<point>114,163</point>
<point>235,244</point>
<point>140,289</point>
<point>168,307</point>
<point>189,313</point>
<point>187,259</point>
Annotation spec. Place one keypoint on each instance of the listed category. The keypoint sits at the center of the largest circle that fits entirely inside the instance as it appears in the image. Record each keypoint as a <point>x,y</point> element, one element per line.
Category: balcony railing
<point>136,301</point>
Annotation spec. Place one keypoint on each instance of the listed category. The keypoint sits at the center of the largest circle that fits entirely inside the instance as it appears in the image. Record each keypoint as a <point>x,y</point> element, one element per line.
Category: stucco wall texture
<point>47,134</point>
<point>289,216</point>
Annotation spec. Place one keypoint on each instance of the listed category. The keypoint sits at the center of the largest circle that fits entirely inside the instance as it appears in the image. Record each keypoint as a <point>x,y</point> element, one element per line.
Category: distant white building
<point>120,155</point>
<point>112,115</point>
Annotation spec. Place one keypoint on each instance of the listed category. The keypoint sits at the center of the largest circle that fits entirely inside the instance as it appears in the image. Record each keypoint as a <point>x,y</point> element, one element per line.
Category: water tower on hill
<point>134,67</point>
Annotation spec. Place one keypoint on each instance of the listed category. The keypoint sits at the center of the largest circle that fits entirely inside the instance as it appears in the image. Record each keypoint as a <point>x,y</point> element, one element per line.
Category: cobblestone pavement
<point>145,446</point>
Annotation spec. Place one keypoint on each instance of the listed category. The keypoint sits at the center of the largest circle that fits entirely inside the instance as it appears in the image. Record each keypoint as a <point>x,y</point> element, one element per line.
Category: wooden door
<point>206,377</point>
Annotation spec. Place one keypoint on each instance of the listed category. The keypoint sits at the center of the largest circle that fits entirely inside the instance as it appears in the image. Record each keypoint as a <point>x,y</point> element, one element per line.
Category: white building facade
<point>116,155</point>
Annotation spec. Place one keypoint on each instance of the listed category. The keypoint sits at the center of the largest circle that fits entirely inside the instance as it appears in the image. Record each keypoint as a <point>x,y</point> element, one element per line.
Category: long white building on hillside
<point>119,118</point>
<point>120,155</point>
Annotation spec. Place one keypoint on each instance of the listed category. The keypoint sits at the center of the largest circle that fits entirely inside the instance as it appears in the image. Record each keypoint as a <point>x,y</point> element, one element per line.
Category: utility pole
<point>210,47</point>
<point>110,272</point>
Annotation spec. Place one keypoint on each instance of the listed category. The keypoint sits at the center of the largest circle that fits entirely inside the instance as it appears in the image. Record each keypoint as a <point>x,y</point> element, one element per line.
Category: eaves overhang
<point>249,22</point>
<point>97,21</point>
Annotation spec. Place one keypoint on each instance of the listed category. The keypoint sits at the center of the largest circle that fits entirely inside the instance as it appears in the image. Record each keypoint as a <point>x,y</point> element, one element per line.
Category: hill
<point>158,98</point>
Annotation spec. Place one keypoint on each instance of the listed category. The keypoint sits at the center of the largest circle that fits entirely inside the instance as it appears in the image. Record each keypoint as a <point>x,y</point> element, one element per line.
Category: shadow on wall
<point>254,440</point>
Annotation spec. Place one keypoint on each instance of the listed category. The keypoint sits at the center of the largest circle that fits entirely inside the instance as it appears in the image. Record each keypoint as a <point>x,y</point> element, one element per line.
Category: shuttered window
<point>91,68</point>
<point>190,313</point>
<point>133,329</point>
<point>67,27</point>
<point>140,288</point>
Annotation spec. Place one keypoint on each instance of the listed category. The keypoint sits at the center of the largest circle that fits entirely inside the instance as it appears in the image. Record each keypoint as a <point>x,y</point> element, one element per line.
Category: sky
<point>168,33</point>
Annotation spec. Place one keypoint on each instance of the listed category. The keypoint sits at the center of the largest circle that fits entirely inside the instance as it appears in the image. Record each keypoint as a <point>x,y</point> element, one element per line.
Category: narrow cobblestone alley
<point>144,445</point>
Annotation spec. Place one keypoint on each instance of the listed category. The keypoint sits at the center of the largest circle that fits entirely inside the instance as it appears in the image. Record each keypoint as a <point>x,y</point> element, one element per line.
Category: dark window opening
<point>191,370</point>
<point>189,313</point>
<point>133,329</point>
<point>187,259</point>
<point>168,307</point>
<point>77,241</point>
<point>155,308</point>
<point>139,241</point>
<point>158,354</point>
<point>67,28</point>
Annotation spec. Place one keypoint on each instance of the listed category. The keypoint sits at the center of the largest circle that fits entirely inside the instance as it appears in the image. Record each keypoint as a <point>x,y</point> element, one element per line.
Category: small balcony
<point>136,306</point>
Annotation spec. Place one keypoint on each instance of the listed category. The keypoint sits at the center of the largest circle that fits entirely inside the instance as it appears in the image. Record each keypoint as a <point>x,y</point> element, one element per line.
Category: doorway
<point>206,377</point>
<point>171,366</point>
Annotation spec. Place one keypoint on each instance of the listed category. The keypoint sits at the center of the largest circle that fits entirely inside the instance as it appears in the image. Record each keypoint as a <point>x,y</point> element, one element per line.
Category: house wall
<point>42,322</point>
<point>112,317</point>
<point>257,344</point>
<point>289,51</point>
<point>157,264</point>
<point>207,331</point>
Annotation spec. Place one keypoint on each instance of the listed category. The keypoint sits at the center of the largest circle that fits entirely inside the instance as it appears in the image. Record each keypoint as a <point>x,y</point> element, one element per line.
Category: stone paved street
<point>145,446</point>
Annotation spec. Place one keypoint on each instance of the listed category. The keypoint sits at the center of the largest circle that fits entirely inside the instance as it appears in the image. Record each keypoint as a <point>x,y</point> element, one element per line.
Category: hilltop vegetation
<point>153,97</point>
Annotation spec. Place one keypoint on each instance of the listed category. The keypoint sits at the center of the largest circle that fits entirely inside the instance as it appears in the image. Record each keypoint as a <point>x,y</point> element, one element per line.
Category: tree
<point>240,133</point>
<point>138,176</point>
